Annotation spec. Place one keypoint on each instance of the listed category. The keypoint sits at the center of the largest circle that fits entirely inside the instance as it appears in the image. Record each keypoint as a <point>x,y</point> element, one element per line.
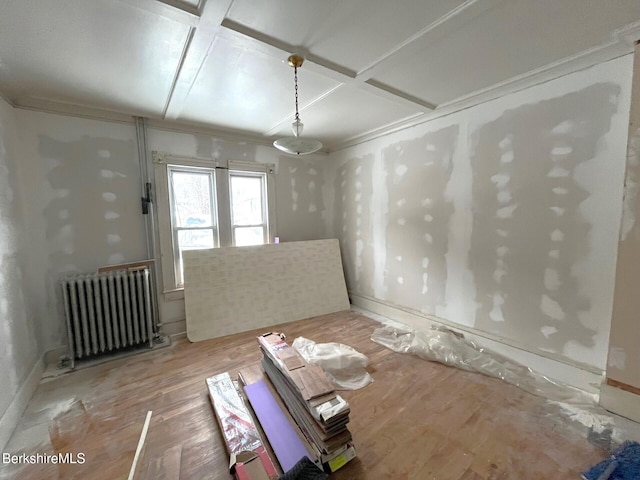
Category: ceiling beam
<point>332,70</point>
<point>171,9</point>
<point>197,47</point>
<point>323,67</point>
<point>394,94</point>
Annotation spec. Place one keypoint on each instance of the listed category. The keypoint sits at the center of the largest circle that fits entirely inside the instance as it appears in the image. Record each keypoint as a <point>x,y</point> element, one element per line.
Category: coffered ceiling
<point>371,65</point>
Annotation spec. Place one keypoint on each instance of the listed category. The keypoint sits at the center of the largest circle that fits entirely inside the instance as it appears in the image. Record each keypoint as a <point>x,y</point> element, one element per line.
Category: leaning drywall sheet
<point>235,289</point>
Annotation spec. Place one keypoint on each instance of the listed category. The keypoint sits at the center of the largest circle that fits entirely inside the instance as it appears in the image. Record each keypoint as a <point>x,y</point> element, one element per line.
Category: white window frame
<point>221,189</point>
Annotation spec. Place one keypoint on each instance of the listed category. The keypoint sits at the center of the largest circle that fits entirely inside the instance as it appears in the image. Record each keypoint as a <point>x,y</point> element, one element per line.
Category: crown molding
<point>629,34</point>
<point>89,113</point>
<point>73,110</point>
<point>231,135</point>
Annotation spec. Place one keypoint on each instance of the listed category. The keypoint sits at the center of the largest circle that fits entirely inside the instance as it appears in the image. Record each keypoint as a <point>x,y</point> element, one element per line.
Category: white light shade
<point>297,145</point>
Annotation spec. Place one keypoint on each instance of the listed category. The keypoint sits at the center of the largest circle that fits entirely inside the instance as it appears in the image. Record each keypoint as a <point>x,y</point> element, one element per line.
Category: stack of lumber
<point>309,396</point>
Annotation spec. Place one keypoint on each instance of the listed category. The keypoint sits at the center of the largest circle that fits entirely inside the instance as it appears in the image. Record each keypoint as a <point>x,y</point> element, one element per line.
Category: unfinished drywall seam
<point>460,287</point>
<point>419,215</point>
<point>379,220</point>
<point>534,168</point>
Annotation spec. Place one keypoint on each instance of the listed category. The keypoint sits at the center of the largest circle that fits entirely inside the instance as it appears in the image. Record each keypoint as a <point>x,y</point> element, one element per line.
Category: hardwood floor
<point>418,420</point>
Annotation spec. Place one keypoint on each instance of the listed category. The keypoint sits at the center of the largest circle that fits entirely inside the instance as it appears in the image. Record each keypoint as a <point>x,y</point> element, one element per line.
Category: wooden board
<point>309,379</point>
<point>235,289</point>
<point>326,442</point>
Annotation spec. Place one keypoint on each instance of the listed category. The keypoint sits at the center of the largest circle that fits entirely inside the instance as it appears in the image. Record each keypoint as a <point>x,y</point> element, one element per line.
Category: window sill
<point>173,295</point>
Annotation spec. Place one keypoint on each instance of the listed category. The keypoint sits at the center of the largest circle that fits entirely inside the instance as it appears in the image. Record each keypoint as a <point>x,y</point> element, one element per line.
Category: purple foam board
<point>283,438</point>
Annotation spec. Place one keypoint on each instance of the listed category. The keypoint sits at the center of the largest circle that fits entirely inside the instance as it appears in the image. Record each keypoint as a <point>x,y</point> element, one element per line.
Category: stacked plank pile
<point>320,413</point>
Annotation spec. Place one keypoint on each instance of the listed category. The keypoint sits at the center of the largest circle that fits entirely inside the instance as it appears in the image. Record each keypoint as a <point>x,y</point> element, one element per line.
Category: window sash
<point>235,225</point>
<point>173,211</point>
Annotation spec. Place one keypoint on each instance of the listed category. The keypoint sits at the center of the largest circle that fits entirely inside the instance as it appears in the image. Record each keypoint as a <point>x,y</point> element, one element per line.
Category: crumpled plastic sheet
<point>444,346</point>
<point>344,365</point>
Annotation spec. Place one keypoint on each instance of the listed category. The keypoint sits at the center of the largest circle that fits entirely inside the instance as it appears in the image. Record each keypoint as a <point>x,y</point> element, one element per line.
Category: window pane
<point>192,199</point>
<point>194,239</point>
<point>246,200</point>
<point>248,236</point>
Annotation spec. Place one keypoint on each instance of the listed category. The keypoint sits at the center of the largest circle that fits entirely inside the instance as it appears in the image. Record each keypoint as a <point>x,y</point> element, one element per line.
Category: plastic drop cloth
<point>444,346</point>
<point>344,365</point>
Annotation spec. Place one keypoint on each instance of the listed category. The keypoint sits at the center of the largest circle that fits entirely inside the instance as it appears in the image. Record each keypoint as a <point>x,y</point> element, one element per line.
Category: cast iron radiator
<point>108,311</point>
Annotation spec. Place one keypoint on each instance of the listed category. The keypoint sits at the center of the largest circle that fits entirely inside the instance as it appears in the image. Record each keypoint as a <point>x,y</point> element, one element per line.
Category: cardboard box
<point>254,465</point>
<point>248,458</point>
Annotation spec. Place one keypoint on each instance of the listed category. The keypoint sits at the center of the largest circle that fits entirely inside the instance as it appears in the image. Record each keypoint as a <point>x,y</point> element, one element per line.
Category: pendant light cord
<point>296,145</point>
<point>295,77</point>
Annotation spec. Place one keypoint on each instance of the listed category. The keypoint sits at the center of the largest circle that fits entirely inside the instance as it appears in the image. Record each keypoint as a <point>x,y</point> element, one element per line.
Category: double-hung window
<point>208,204</point>
<point>193,211</point>
<point>248,208</point>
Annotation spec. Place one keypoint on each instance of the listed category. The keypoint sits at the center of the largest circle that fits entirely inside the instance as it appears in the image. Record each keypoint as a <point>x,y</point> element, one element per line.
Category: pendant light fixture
<point>297,145</point>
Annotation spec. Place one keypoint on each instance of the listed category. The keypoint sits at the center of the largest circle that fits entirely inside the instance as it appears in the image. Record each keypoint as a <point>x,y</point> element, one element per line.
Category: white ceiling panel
<point>101,53</point>
<point>351,34</point>
<point>349,112</point>
<point>242,89</point>
<point>370,64</point>
<point>505,42</point>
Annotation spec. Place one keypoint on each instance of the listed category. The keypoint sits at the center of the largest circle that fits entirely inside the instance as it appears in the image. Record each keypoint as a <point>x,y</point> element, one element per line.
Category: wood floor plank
<point>417,418</point>
<point>166,466</point>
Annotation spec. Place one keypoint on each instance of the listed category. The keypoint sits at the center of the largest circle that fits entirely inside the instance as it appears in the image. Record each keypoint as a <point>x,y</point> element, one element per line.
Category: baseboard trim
<point>174,328</point>
<point>620,402</point>
<point>52,357</point>
<point>585,378</point>
<point>623,386</point>
<point>12,415</point>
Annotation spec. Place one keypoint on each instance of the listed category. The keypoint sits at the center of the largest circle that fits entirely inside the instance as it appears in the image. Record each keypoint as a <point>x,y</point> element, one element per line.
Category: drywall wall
<point>301,185</point>
<point>501,218</point>
<point>301,182</point>
<point>82,186</point>
<point>623,363</point>
<point>80,180</point>
<point>20,352</point>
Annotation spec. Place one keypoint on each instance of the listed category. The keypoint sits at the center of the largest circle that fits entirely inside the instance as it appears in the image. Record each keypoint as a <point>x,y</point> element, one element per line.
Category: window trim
<point>222,190</point>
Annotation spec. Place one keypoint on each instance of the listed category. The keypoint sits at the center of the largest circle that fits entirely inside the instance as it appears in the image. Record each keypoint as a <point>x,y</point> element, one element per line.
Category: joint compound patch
<point>617,358</point>
<point>548,330</point>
